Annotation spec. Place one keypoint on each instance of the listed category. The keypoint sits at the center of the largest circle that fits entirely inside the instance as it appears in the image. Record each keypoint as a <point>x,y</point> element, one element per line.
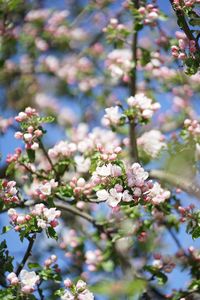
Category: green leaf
<point>52,233</point>
<point>31,155</point>
<point>161,277</point>
<point>196,233</point>
<point>6,229</point>
<point>108,266</point>
<point>34,266</point>
<point>48,119</point>
<point>10,169</point>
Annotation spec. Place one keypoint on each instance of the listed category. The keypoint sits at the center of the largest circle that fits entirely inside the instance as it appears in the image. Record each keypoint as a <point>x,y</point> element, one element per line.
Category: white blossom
<point>29,279</point>
<point>152,142</point>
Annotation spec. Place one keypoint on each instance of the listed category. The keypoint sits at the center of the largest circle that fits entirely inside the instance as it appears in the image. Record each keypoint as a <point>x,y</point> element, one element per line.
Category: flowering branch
<point>183,24</point>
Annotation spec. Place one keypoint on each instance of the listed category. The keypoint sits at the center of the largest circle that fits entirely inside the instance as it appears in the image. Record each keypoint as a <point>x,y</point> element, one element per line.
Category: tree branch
<point>27,254</point>
<point>133,90</point>
<point>71,209</point>
<point>189,187</point>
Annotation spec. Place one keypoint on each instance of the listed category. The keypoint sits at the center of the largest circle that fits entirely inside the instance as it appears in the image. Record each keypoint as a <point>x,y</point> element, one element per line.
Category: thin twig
<point>49,160</point>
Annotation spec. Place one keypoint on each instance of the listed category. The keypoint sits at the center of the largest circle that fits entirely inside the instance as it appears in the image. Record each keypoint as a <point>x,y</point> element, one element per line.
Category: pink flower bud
<point>54,223</point>
<point>14,281</point>
<point>30,129</point>
<point>182,56</point>
<point>21,219</point>
<point>18,135</point>
<point>27,289</point>
<point>68,283</point>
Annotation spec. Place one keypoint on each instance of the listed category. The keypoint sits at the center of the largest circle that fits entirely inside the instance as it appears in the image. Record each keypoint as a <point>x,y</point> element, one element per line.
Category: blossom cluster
<point>62,150</point>
<point>93,259</point>
<point>31,132</point>
<point>112,116</point>
<point>149,14</point>
<point>14,157</point>
<point>51,260</point>
<point>185,47</point>
<point>9,192</point>
<point>193,127</point>
<point>27,281</point>
<point>163,263</point>
<point>143,107</point>
<point>44,217</point>
<point>137,186</point>
<point>78,291</point>
<point>116,31</point>
<point>186,3</point>
<point>42,190</point>
<point>152,142</point>
<point>119,63</point>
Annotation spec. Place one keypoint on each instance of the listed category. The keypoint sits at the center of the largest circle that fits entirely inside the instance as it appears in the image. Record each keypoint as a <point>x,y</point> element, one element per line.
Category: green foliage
<point>193,226</point>
<point>156,273</point>
<point>52,233</point>
<point>120,288</point>
<point>5,262</point>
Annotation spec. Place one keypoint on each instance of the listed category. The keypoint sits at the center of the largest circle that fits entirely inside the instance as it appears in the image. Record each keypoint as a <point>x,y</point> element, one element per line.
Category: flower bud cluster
<point>165,264</point>
<point>31,132</point>
<point>116,31</point>
<point>50,261</point>
<point>80,186</point>
<point>62,150</point>
<point>93,259</point>
<point>185,47</point>
<point>193,127</point>
<point>187,213</point>
<point>8,192</point>
<point>14,157</point>
<point>185,3</point>
<point>70,239</point>
<point>149,14</point>
<point>27,281</point>
<point>78,291</point>
<point>108,155</point>
<point>143,107</point>
<point>44,217</point>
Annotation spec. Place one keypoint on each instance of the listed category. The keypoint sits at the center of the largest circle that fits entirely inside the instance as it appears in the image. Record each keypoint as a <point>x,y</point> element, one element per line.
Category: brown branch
<point>189,187</point>
<point>27,254</point>
<point>71,209</point>
<point>133,91</point>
